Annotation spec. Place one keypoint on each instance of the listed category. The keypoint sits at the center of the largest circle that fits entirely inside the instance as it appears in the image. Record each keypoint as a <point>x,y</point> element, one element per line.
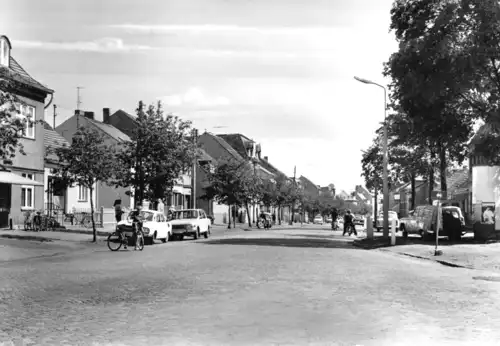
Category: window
<point>28,112</point>
<point>27,197</point>
<point>83,193</point>
<point>28,176</point>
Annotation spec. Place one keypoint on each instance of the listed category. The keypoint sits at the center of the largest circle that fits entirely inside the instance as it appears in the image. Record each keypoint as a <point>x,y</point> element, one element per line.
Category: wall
<point>70,196</point>
<point>16,213</point>
<point>34,148</point>
<point>486,188</point>
<point>106,196</point>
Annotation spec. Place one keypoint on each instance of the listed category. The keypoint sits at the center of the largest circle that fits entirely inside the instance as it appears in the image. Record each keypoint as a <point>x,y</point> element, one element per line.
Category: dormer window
<point>4,51</point>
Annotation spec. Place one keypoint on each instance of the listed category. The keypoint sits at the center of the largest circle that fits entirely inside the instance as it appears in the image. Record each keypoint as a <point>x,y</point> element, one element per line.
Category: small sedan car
<point>190,222</point>
<point>359,220</point>
<point>154,226</point>
<point>318,220</point>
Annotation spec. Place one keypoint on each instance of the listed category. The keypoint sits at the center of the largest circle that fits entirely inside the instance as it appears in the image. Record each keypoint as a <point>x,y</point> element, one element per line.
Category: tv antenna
<point>78,98</point>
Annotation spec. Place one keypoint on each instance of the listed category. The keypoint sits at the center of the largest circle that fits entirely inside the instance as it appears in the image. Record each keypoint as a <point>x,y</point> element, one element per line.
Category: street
<point>301,286</point>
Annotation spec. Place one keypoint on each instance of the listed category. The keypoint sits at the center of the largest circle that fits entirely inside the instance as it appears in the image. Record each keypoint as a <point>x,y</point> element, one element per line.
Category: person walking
<point>118,210</point>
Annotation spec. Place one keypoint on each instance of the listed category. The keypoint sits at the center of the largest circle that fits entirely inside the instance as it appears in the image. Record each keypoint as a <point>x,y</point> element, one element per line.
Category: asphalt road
<point>292,287</point>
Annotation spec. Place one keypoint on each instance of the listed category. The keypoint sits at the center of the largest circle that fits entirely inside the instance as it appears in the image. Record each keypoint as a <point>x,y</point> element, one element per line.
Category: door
<point>5,199</point>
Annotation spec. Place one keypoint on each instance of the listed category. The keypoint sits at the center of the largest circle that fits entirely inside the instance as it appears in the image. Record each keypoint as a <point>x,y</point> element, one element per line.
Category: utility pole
<point>78,103</point>
<point>193,173</point>
<point>55,115</point>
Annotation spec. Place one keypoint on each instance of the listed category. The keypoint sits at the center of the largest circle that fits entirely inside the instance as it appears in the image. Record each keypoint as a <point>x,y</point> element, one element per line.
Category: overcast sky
<point>278,71</point>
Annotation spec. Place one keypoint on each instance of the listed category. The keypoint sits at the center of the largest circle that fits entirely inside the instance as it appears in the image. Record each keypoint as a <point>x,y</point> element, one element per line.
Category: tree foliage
<point>86,161</point>
<point>13,124</point>
<point>161,148</point>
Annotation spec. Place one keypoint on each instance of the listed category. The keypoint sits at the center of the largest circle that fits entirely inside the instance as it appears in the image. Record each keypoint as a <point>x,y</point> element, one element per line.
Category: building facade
<point>105,195</point>
<point>22,178</point>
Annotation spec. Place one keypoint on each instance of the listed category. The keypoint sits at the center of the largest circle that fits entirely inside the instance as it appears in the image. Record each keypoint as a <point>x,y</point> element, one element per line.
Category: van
<point>423,221</point>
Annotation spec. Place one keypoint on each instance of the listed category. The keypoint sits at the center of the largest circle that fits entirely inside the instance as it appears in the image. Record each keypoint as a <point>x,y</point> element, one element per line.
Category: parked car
<point>379,224</point>
<point>423,221</point>
<point>190,222</point>
<point>359,220</point>
<point>154,226</point>
<point>318,220</point>
<point>328,219</point>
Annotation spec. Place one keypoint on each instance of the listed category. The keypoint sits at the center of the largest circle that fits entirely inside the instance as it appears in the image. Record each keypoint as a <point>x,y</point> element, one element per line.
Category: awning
<point>12,178</point>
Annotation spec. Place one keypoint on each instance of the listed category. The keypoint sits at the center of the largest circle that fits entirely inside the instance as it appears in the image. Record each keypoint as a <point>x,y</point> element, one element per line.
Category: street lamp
<point>385,156</point>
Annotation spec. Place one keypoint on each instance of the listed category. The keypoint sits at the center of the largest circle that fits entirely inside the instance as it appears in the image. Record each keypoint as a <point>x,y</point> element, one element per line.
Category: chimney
<point>89,115</point>
<point>266,158</point>
<point>105,115</point>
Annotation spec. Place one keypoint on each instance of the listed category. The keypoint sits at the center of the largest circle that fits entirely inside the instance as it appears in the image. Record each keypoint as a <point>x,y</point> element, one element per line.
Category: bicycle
<point>118,238</point>
<point>28,221</point>
<point>84,221</point>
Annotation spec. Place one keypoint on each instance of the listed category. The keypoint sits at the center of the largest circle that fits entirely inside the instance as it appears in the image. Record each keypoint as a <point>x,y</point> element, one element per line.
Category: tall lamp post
<point>385,156</point>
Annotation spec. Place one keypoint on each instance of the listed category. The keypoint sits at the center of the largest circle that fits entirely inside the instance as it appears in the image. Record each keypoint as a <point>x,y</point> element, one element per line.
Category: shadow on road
<point>285,242</point>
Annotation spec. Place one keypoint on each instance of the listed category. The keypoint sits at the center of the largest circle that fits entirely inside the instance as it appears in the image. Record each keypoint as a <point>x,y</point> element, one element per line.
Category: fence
<point>80,218</point>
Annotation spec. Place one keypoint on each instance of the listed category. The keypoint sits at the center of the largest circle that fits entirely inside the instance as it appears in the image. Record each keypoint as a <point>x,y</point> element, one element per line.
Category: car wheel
<point>164,240</point>
<point>181,237</point>
<point>153,238</point>
<point>207,233</point>
<point>196,234</point>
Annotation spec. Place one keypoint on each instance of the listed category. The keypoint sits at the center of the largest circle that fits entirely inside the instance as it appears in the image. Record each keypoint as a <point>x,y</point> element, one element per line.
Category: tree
<point>86,161</point>
<point>161,148</point>
<point>433,36</point>
<point>13,125</point>
<point>225,184</point>
<point>281,188</point>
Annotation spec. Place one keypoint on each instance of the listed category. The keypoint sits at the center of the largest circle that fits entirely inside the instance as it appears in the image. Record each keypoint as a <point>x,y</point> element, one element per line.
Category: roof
<point>458,182</point>
<point>110,130</point>
<point>237,141</point>
<point>204,156</point>
<point>226,146</point>
<point>52,139</point>
<point>18,74</point>
<point>122,112</point>
<point>307,181</point>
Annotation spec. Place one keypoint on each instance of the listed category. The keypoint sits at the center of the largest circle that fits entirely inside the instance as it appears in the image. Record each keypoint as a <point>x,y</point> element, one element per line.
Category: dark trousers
<point>349,224</point>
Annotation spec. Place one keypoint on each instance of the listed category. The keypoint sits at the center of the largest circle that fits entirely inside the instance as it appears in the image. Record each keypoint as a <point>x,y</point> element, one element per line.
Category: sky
<point>278,71</point>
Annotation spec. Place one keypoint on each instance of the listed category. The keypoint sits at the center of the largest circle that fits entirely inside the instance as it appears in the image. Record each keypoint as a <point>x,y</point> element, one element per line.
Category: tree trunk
<point>94,230</point>
<point>234,216</point>
<point>247,207</point>
<point>431,183</point>
<point>442,169</point>
<point>229,217</point>
<point>413,190</point>
<point>279,214</point>
<point>292,215</point>
<point>376,205</point>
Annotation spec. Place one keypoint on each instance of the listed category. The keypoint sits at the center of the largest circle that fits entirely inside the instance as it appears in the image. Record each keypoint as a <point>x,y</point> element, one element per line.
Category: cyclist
<point>137,219</point>
<point>349,221</point>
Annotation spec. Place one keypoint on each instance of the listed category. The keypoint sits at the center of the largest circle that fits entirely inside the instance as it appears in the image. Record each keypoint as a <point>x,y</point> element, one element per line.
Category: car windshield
<point>186,214</point>
<point>145,215</point>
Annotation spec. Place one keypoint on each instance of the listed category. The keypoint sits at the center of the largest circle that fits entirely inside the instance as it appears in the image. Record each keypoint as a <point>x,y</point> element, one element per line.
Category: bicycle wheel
<point>140,241</point>
<point>87,222</point>
<point>114,241</point>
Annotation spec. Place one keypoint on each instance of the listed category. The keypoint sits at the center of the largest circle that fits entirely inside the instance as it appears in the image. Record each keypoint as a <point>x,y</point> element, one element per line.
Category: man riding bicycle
<point>137,220</point>
<point>349,221</point>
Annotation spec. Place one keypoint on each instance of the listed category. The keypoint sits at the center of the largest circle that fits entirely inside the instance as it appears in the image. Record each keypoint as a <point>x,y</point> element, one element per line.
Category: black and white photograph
<point>249,172</point>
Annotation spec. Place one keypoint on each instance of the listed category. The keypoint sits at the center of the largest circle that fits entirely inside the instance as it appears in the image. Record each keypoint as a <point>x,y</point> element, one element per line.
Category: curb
<point>445,263</point>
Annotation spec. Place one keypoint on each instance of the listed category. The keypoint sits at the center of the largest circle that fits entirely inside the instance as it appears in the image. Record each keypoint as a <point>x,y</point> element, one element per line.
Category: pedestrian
<point>161,206</point>
<point>118,210</point>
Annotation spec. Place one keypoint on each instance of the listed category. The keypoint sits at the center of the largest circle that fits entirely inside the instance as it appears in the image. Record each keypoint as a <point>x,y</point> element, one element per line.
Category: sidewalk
<point>466,254</point>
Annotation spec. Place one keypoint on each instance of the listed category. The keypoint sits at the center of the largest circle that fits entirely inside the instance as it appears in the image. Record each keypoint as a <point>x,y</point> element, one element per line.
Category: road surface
<point>306,286</point>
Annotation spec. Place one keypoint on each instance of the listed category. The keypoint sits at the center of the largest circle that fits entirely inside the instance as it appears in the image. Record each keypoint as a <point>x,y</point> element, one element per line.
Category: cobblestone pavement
<point>290,287</point>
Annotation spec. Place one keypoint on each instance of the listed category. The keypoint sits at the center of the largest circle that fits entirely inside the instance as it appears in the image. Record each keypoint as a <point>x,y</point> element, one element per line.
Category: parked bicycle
<point>82,219</point>
<point>118,239</point>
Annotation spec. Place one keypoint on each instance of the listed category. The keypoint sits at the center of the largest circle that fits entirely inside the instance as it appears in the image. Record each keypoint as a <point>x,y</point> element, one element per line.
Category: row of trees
<point>237,184</point>
<point>445,77</point>
<point>161,147</point>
